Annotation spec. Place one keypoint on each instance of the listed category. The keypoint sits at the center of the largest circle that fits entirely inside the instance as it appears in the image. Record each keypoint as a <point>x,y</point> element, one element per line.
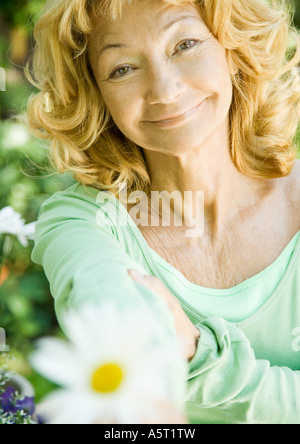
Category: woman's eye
<point>186,44</point>
<point>120,72</point>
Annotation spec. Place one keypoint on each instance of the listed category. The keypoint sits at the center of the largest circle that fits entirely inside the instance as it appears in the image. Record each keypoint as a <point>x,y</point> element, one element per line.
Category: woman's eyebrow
<point>110,46</point>
<point>179,19</point>
<point>165,28</point>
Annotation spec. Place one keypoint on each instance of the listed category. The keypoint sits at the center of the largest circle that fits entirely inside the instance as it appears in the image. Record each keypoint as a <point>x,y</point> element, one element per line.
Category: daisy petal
<point>71,407</point>
<point>55,359</point>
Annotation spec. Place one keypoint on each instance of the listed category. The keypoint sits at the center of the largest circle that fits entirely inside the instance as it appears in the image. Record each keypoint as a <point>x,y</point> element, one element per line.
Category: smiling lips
<point>176,120</point>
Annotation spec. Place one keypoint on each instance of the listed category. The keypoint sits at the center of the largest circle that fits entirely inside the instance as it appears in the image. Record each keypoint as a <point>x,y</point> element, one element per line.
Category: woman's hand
<point>187,333</point>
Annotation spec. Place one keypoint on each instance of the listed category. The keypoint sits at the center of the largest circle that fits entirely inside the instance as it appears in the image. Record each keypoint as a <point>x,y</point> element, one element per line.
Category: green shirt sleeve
<point>227,384</point>
<point>84,261</point>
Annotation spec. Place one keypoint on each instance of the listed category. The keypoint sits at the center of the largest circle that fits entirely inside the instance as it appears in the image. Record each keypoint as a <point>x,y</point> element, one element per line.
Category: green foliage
<point>26,305</point>
<point>21,12</point>
<point>297,13</point>
<point>26,181</point>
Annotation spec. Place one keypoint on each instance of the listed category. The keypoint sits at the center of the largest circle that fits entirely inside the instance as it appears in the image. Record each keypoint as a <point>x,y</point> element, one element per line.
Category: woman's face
<point>163,76</point>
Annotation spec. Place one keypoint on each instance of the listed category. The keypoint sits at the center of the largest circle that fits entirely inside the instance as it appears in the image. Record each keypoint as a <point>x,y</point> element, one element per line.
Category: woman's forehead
<point>160,13</point>
<point>114,8</point>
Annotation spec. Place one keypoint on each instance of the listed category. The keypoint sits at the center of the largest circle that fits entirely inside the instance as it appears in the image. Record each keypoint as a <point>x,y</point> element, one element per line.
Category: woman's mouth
<point>171,122</point>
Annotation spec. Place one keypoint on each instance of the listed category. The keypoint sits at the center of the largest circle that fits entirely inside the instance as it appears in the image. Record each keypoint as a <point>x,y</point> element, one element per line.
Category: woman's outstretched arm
<point>84,261</point>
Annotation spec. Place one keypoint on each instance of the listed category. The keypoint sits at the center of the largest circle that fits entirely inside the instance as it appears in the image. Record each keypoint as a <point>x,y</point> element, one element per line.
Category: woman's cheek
<point>120,99</point>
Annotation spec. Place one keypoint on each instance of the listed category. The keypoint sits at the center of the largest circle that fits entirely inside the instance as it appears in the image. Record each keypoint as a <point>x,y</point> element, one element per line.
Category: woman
<point>181,96</point>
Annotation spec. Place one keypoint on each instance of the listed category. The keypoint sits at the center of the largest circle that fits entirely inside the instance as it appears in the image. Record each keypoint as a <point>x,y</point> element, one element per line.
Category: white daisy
<point>113,370</point>
<point>12,223</point>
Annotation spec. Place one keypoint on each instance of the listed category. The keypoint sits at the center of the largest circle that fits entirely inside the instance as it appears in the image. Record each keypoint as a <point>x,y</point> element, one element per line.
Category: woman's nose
<point>164,85</point>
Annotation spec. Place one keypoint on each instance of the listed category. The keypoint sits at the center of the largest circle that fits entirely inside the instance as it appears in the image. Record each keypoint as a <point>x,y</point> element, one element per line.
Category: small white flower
<point>29,231</point>
<point>112,371</point>
<point>12,223</point>
<point>16,136</point>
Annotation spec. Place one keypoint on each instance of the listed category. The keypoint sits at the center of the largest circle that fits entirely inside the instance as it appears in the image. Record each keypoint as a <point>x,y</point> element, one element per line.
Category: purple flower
<point>11,403</point>
<point>7,400</point>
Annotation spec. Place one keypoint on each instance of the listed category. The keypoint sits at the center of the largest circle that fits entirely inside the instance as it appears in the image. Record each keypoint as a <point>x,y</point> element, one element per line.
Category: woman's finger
<point>155,284</point>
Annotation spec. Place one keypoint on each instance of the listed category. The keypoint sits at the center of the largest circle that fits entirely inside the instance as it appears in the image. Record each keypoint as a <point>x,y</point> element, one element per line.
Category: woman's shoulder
<point>76,208</point>
<point>78,202</point>
<point>78,195</point>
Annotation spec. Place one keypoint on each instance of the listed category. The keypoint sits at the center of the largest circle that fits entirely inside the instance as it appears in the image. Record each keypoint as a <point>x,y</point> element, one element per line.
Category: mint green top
<point>247,366</point>
<point>240,302</point>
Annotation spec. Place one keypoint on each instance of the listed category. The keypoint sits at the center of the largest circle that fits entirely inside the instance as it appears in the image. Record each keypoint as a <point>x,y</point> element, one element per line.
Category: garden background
<point>26,181</point>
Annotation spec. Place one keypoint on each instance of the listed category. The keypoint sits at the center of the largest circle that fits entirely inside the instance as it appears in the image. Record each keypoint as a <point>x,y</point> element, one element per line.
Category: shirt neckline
<point>219,292</point>
<point>235,289</point>
<point>149,254</point>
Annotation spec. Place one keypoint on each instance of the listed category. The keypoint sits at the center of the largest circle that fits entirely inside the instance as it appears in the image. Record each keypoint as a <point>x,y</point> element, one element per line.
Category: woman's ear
<point>232,66</point>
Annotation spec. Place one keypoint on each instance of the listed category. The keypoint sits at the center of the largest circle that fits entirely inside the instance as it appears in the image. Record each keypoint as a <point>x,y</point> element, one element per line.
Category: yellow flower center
<point>107,378</point>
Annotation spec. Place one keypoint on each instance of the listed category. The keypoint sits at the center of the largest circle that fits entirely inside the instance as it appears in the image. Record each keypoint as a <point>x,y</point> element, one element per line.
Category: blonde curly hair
<point>70,112</point>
